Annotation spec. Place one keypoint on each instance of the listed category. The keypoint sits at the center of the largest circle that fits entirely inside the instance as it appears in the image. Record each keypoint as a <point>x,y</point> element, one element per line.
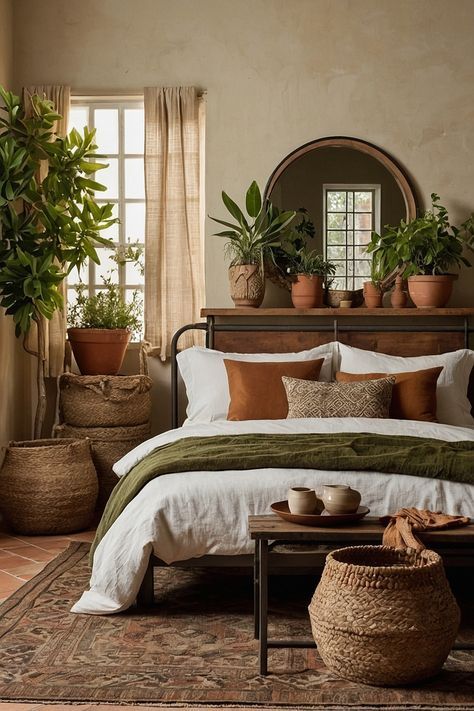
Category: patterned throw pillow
<point>368,398</point>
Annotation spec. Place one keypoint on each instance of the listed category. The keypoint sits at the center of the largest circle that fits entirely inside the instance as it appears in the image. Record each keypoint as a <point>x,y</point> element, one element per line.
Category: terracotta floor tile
<point>26,572</point>
<point>9,563</point>
<point>34,554</point>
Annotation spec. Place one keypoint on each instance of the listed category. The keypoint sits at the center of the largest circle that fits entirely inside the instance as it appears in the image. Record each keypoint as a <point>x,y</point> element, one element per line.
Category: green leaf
<point>253,200</point>
<point>234,209</point>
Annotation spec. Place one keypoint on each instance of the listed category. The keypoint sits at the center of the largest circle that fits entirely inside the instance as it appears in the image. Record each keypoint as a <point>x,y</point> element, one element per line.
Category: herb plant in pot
<point>310,271</point>
<point>373,289</point>
<point>424,251</point>
<point>248,242</point>
<point>101,327</point>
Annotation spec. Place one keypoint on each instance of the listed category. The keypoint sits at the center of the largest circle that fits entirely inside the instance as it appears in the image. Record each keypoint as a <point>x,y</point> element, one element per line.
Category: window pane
<point>76,276</point>
<point>336,253</point>
<point>363,221</point>
<point>361,253</point>
<point>135,222</point>
<point>71,298</point>
<point>359,282</point>
<point>336,221</point>
<point>106,124</point>
<point>362,268</point>
<point>134,178</point>
<point>336,200</point>
<point>336,237</point>
<point>362,237</point>
<point>363,201</point>
<point>78,118</point>
<point>106,268</point>
<point>133,274</point>
<point>109,178</point>
<point>134,131</point>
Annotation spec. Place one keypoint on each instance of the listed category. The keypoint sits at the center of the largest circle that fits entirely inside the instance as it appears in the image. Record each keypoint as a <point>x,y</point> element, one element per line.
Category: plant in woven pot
<point>50,222</point>
<point>101,325</point>
<point>384,616</point>
<point>424,250</point>
<point>249,241</point>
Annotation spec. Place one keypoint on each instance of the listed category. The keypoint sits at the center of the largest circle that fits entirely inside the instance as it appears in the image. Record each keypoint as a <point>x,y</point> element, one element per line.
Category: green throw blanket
<point>416,456</point>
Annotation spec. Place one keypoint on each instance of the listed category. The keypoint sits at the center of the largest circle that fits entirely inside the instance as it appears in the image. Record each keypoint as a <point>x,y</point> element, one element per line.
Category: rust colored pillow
<point>413,395</point>
<point>257,391</point>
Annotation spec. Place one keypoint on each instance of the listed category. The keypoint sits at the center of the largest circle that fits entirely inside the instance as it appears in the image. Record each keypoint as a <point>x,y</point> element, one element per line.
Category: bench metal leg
<point>263,606</point>
<point>256,592</point>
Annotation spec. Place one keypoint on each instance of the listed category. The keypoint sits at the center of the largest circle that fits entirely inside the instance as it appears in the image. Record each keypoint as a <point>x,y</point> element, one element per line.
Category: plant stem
<point>41,389</point>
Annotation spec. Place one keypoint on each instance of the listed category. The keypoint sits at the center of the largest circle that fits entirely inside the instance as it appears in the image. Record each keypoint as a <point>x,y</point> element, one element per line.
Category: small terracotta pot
<point>373,296</point>
<point>398,297</point>
<point>307,292</point>
<point>247,286</point>
<point>99,351</point>
<point>431,291</point>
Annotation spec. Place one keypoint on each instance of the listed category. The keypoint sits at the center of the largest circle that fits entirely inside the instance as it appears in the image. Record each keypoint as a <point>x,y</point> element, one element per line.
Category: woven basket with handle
<point>104,400</point>
<point>108,444</point>
<point>384,616</point>
<point>48,486</point>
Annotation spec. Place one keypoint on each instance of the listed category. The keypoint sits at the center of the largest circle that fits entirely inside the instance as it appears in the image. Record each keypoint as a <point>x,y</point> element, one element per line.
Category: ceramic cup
<point>345,304</point>
<point>302,500</point>
<point>340,499</point>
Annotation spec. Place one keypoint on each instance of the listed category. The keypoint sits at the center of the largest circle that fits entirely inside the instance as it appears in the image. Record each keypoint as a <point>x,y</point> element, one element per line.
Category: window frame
<point>376,190</point>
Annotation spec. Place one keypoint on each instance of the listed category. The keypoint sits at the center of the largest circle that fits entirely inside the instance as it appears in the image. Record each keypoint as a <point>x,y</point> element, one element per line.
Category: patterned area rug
<point>194,647</point>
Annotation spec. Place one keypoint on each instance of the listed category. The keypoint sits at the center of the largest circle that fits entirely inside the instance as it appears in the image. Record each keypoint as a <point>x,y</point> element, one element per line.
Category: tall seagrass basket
<point>384,616</point>
<point>48,486</point>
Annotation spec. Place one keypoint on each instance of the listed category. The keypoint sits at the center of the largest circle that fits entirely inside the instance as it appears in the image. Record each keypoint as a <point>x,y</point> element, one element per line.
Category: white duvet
<point>186,515</point>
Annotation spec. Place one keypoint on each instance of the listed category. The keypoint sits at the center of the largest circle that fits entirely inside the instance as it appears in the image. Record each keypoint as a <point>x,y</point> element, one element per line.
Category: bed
<point>197,518</point>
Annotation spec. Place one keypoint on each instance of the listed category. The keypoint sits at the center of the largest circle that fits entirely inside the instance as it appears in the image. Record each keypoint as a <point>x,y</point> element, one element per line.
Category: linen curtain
<point>55,329</point>
<point>174,271</point>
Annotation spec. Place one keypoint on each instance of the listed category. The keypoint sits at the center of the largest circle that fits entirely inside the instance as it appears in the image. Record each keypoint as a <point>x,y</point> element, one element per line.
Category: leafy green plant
<point>49,219</point>
<point>107,308</point>
<point>293,238</point>
<point>310,263</point>
<point>251,237</point>
<point>428,244</point>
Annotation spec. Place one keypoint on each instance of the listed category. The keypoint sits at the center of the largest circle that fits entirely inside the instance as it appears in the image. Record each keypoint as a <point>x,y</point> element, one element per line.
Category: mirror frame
<point>397,172</point>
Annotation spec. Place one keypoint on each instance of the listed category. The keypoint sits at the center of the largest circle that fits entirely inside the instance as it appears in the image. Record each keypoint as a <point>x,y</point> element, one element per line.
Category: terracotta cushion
<point>256,389</point>
<point>413,396</point>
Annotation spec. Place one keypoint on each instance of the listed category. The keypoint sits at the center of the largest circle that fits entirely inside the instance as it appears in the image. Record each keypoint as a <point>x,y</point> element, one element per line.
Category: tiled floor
<point>22,557</point>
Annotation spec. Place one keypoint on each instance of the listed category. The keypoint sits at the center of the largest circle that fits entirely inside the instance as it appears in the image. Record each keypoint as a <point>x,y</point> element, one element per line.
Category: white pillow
<point>453,406</point>
<point>205,377</point>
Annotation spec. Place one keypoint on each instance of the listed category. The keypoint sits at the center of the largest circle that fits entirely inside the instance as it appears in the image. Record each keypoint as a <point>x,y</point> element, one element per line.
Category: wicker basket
<point>384,616</point>
<point>109,444</point>
<point>104,400</point>
<point>335,296</point>
<point>48,486</point>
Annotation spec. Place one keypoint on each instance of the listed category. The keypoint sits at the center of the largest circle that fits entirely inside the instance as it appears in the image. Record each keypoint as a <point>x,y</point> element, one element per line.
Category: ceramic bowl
<point>340,499</point>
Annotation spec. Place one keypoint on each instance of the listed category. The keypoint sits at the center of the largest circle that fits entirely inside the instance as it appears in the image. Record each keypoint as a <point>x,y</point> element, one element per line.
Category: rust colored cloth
<point>402,526</point>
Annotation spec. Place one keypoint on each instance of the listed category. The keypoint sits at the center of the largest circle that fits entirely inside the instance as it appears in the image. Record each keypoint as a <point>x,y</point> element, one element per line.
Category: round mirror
<point>348,189</point>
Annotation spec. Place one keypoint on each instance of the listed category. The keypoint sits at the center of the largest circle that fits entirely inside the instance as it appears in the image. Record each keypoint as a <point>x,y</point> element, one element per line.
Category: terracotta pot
<point>247,287</point>
<point>431,291</point>
<point>373,296</point>
<point>398,297</point>
<point>307,292</point>
<point>99,351</point>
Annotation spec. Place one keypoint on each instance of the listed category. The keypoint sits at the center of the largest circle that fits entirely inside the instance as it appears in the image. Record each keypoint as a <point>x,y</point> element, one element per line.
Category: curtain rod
<point>96,93</point>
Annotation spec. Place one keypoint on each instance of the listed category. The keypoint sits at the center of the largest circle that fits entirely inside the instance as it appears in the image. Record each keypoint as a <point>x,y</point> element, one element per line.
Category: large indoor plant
<point>50,221</point>
<point>101,325</point>
<point>424,250</point>
<point>249,239</point>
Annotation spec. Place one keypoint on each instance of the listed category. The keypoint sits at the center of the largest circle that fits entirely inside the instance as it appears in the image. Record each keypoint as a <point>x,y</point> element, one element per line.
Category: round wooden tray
<point>324,519</point>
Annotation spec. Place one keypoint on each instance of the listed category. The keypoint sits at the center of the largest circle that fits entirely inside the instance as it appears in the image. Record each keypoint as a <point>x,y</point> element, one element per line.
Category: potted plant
<point>249,241</point>
<point>101,325</point>
<point>423,251</point>
<point>310,271</point>
<point>373,289</point>
<point>49,223</point>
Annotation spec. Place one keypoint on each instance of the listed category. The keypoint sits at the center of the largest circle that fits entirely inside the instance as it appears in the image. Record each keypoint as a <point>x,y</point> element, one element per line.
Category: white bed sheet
<point>186,515</point>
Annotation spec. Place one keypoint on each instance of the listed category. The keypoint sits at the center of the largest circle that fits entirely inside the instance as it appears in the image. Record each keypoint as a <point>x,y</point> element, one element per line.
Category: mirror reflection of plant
<point>426,245</point>
<point>310,263</point>
<point>250,239</point>
<point>293,238</point>
<point>107,308</point>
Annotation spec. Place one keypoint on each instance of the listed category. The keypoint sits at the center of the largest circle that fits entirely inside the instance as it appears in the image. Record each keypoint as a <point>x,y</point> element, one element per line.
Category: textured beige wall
<point>14,364</point>
<point>280,73</point>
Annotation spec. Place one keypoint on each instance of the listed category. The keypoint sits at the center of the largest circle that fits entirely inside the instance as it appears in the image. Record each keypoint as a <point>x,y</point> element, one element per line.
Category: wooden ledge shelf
<point>334,313</point>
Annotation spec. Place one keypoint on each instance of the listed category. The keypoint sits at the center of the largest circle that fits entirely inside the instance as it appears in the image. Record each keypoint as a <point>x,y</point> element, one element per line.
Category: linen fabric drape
<point>174,273</point>
<point>55,329</point>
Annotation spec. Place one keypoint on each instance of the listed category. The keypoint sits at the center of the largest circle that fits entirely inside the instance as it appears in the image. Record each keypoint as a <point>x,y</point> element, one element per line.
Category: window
<point>119,128</point>
<point>351,213</point>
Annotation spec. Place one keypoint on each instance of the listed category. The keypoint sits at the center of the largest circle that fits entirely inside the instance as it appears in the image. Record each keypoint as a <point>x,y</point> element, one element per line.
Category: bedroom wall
<point>278,73</point>
<point>14,410</point>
